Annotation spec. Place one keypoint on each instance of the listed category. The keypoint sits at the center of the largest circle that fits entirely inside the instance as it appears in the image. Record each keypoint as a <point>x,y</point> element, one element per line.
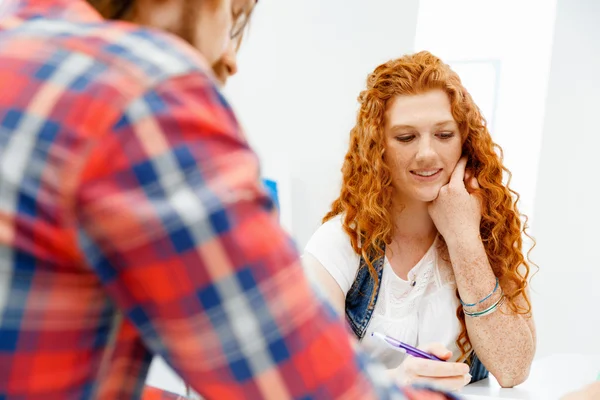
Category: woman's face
<point>422,145</point>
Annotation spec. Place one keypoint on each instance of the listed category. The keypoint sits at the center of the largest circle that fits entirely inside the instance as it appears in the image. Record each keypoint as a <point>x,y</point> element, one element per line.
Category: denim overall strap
<point>477,371</point>
<point>359,307</point>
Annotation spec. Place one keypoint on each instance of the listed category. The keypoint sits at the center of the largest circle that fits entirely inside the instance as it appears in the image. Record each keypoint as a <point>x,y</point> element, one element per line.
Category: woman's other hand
<point>450,376</point>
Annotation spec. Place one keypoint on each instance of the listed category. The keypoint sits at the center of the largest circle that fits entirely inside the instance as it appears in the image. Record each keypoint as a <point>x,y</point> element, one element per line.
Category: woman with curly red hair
<point>424,243</point>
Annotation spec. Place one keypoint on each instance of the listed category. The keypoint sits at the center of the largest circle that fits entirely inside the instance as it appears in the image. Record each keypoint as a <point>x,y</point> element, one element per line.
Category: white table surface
<point>551,377</point>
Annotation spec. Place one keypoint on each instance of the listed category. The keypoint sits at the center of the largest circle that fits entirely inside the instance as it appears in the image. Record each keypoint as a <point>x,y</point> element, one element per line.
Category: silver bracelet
<point>488,310</point>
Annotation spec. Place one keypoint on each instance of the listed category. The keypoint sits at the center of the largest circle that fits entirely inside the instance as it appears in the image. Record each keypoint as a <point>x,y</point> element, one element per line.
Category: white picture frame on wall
<point>482,80</point>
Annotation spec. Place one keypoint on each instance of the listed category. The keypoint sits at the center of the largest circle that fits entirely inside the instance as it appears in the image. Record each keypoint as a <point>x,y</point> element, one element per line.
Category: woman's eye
<point>405,138</point>
<point>446,135</point>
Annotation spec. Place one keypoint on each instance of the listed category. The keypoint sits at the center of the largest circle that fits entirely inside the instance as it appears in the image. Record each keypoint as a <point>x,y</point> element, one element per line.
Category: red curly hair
<point>366,195</point>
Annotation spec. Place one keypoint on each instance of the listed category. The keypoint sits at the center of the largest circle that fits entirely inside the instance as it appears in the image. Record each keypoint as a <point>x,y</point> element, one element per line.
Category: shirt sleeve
<point>174,220</point>
<point>331,246</point>
<point>153,393</point>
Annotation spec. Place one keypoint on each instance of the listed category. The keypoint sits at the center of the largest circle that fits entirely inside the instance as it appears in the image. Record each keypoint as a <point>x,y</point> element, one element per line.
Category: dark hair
<point>113,9</point>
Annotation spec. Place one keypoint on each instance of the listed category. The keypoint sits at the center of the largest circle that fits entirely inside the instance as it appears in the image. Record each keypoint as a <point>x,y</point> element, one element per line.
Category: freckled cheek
<point>402,164</point>
<point>398,169</point>
<point>391,160</point>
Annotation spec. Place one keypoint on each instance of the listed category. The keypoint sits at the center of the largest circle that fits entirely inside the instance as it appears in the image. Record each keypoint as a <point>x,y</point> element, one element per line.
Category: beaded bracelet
<point>484,299</point>
<point>489,310</point>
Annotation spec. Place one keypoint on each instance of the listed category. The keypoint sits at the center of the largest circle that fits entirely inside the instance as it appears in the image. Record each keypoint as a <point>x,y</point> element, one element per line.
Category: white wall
<point>162,376</point>
<point>567,213</point>
<point>504,62</point>
<point>301,70</point>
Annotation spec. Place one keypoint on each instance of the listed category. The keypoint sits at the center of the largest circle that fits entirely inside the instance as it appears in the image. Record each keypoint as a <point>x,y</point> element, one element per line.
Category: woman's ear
<point>471,183</point>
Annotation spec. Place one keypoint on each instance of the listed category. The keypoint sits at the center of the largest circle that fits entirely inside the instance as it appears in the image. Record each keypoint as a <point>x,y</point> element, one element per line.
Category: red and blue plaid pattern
<point>133,223</point>
<point>152,393</point>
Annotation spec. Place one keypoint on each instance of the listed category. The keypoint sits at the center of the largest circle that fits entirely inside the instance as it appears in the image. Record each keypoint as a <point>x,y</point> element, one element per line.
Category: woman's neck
<point>412,223</point>
<point>414,233</point>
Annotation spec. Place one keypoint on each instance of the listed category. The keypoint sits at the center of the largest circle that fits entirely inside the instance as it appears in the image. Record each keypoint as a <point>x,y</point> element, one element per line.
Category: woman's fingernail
<point>468,378</point>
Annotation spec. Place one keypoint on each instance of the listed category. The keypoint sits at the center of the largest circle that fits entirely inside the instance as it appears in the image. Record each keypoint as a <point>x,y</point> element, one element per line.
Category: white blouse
<point>417,315</point>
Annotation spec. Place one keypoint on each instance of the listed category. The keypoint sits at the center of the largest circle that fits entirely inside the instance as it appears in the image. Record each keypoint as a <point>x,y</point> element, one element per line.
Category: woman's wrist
<point>466,241</point>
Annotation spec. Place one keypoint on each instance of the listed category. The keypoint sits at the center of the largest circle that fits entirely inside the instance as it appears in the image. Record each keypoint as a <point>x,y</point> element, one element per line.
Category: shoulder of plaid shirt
<point>133,224</point>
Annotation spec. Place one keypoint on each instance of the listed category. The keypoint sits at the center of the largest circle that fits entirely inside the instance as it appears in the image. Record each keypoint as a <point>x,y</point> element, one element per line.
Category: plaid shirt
<point>133,224</point>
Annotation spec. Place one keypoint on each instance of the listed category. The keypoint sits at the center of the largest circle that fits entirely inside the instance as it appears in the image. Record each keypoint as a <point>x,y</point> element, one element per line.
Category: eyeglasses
<point>240,22</point>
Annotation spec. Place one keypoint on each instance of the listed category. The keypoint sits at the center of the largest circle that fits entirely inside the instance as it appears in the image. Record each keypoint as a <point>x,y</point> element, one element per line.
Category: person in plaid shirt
<point>133,222</point>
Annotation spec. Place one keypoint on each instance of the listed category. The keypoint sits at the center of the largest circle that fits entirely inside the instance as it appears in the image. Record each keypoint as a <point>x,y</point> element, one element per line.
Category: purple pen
<point>405,347</point>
